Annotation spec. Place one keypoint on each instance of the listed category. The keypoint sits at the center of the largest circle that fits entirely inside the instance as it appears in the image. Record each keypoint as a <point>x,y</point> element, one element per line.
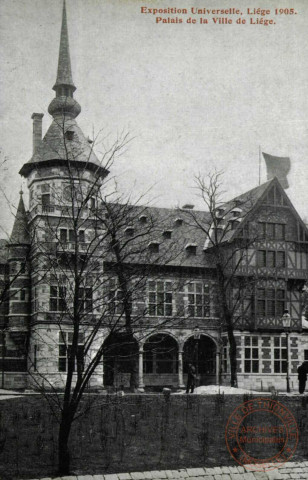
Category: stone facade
<point>177,307</point>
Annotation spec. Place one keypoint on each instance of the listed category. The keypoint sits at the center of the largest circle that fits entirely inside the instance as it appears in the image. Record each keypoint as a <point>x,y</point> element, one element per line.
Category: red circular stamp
<point>261,434</point>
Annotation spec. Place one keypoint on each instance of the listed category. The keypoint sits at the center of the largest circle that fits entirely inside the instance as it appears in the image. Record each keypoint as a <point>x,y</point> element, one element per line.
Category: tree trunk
<point>64,454</point>
<point>228,320</point>
<point>233,349</point>
<point>133,382</point>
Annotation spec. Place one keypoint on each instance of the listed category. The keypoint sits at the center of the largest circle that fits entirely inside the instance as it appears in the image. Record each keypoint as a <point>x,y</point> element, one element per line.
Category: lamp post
<point>286,321</point>
<point>197,335</point>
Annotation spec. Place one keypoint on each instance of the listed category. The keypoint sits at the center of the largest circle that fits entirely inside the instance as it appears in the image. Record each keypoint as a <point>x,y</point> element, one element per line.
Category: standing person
<point>302,376</point>
<point>191,379</point>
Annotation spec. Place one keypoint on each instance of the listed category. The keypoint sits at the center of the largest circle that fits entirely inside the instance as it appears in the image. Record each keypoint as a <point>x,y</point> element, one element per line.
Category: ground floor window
<point>65,345</point>
<point>12,361</point>
<point>280,355</point>
<point>251,364</point>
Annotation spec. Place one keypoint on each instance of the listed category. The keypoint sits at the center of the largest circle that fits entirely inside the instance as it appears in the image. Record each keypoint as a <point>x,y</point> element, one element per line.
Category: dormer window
<point>153,247</point>
<point>234,223</point>
<point>191,248</point>
<point>236,212</point>
<point>167,234</point>
<point>129,231</point>
<point>178,221</point>
<point>92,203</point>
<point>45,188</point>
<point>219,212</point>
<point>69,135</point>
<point>143,219</point>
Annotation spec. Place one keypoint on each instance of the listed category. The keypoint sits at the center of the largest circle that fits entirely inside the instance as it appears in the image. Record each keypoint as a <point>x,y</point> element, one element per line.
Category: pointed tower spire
<point>20,232</point>
<point>64,76</point>
<point>64,104</point>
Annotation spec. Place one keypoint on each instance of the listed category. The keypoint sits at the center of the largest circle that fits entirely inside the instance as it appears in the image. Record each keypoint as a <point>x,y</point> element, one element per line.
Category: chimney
<point>37,129</point>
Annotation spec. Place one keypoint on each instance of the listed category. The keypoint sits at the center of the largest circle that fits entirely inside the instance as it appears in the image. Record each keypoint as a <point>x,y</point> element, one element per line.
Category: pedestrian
<point>302,376</point>
<point>191,378</point>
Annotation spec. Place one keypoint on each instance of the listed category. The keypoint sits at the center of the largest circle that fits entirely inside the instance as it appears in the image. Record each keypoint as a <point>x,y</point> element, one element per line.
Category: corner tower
<point>64,144</point>
<point>63,176</point>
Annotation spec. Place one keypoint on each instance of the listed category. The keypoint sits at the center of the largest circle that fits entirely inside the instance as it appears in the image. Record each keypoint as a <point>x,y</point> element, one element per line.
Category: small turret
<point>19,279</point>
<point>20,233</point>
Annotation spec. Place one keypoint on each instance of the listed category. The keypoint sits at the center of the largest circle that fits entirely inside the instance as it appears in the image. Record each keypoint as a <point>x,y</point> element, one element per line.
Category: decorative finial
<point>64,103</point>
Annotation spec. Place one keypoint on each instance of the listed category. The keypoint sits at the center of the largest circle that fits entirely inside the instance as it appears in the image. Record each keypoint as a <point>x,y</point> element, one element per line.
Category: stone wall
<point>129,433</point>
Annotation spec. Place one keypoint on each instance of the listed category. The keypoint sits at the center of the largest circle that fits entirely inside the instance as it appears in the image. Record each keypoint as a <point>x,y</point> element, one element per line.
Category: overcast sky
<point>195,97</point>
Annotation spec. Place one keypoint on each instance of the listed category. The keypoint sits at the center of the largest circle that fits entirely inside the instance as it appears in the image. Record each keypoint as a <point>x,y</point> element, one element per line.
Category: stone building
<point>176,308</point>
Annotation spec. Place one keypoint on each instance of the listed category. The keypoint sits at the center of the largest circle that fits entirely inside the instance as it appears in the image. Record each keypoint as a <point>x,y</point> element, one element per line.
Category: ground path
<point>288,471</point>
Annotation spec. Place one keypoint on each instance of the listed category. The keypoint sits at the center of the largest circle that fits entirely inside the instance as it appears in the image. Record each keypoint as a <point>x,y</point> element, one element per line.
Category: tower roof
<point>64,141</point>
<point>64,74</point>
<point>58,148</point>
<point>20,232</point>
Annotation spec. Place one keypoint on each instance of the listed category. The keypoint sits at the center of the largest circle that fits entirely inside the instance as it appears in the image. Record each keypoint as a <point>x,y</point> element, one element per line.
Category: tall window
<point>251,354</point>
<point>271,259</point>
<point>280,355</point>
<point>276,231</point>
<point>160,298</point>
<point>198,299</point>
<point>65,345</point>
<point>86,299</point>
<point>57,301</point>
<point>115,297</point>
<point>270,302</point>
<point>69,235</point>
<point>224,362</point>
<point>34,299</point>
<point>274,197</point>
<point>46,199</point>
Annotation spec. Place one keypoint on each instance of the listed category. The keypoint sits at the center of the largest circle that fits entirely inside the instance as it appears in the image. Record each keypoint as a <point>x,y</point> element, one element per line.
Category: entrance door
<point>202,354</point>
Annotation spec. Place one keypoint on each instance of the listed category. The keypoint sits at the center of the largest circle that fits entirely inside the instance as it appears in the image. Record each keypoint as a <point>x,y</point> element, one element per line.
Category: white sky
<point>195,97</point>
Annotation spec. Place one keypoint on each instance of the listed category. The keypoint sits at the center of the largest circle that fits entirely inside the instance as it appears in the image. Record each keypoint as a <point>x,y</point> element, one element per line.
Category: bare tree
<point>93,253</point>
<point>226,243</point>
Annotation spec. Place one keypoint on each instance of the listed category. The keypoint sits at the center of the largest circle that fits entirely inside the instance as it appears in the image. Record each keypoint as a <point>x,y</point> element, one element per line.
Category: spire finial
<point>64,75</point>
<point>64,86</point>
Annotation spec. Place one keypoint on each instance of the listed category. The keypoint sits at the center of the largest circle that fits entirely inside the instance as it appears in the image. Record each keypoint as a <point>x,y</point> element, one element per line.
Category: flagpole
<point>259,164</point>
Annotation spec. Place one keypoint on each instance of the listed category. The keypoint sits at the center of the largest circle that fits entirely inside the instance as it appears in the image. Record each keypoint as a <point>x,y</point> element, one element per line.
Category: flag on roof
<point>277,167</point>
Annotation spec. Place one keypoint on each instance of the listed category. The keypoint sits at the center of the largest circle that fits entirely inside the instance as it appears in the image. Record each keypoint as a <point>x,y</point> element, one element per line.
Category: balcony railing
<point>272,323</point>
<point>70,246</point>
<point>61,210</point>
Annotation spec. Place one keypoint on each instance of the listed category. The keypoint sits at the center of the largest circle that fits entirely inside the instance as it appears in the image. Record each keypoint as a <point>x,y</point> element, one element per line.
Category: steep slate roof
<point>172,252</point>
<point>20,232</point>
<point>55,146</point>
